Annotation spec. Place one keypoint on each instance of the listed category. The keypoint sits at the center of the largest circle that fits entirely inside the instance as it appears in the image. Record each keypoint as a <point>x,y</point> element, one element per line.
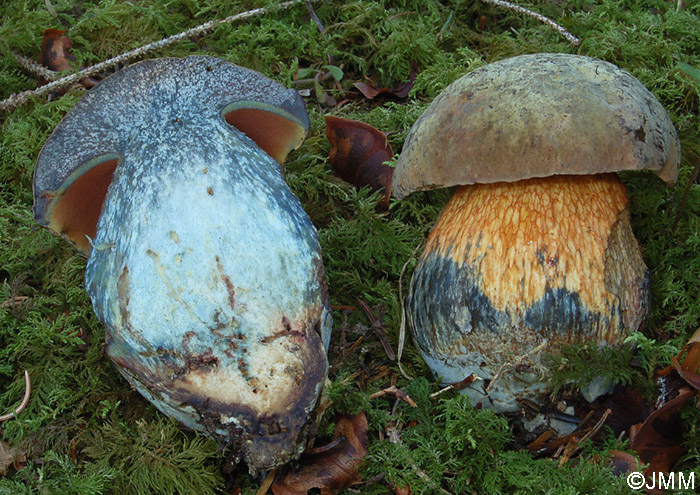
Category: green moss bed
<point>85,431</point>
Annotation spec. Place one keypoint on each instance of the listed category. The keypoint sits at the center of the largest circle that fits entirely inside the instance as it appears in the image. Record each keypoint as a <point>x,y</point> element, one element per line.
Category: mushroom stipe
<point>542,260</point>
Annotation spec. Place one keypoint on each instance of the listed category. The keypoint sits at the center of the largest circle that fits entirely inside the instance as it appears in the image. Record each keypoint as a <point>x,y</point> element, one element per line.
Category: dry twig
<point>14,301</point>
<point>457,386</point>
<point>267,482</point>
<point>36,69</point>
<point>402,328</point>
<point>25,400</point>
<point>395,392</point>
<point>16,100</point>
<point>376,325</point>
<point>503,3</point>
<point>574,445</point>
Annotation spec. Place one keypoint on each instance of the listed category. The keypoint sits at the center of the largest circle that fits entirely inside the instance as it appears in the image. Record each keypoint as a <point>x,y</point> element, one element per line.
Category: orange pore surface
<point>275,134</point>
<point>522,237</point>
<point>77,211</point>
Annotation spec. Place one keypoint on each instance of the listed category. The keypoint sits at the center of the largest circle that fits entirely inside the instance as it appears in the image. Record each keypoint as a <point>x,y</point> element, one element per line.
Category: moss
<point>447,444</point>
<point>86,430</point>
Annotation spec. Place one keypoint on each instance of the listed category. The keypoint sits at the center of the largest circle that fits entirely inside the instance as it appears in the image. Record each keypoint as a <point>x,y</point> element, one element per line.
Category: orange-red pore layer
<point>509,266</point>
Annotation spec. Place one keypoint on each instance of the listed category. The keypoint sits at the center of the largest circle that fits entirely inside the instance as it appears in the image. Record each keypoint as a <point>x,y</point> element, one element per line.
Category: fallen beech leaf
<point>659,440</point>
<point>56,56</point>
<point>10,456</point>
<point>692,378</point>
<point>54,50</point>
<point>358,153</point>
<point>687,363</point>
<point>329,471</point>
<point>401,91</point>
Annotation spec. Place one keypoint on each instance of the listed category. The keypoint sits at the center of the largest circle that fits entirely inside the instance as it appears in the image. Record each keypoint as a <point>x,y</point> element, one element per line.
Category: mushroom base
<point>515,270</point>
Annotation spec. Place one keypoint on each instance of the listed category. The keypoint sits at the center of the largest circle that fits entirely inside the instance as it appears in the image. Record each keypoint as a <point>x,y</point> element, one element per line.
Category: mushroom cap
<point>75,166</point>
<point>536,116</point>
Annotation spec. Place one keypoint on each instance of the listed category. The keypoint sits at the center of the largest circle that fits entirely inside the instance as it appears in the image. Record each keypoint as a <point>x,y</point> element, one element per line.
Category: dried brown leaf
<point>623,462</point>
<point>659,440</point>
<point>329,471</point>
<point>370,91</point>
<point>358,153</point>
<point>56,55</point>
<point>10,456</point>
<point>627,405</point>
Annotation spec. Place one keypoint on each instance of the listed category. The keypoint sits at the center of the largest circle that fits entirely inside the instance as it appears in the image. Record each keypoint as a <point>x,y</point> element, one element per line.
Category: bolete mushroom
<point>202,264</point>
<point>535,248</point>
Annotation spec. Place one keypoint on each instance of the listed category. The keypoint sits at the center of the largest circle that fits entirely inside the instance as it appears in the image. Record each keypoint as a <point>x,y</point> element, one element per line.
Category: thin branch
<point>402,328</point>
<point>25,400</point>
<point>457,386</point>
<point>36,69</point>
<point>16,100</point>
<point>522,10</point>
<point>395,392</point>
<point>512,364</point>
<point>267,482</point>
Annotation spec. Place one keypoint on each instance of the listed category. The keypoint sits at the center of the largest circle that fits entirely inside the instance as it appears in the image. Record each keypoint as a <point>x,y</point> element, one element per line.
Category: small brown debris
<point>403,490</point>
<point>457,386</point>
<point>56,55</point>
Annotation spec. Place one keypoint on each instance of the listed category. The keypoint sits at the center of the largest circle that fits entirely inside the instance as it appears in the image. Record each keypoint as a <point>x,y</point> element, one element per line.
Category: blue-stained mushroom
<point>202,264</point>
<point>535,248</point>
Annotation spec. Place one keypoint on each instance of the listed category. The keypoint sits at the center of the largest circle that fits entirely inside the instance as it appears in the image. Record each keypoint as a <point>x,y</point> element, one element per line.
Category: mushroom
<point>535,248</point>
<point>202,264</point>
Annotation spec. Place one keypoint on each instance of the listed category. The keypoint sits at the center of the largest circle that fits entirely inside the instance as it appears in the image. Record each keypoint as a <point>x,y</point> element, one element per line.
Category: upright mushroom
<point>535,249</point>
<point>202,264</point>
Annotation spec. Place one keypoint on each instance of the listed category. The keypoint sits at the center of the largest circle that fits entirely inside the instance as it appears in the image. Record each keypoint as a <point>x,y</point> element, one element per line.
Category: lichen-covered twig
<point>36,69</point>
<point>509,5</point>
<point>25,400</point>
<point>16,100</point>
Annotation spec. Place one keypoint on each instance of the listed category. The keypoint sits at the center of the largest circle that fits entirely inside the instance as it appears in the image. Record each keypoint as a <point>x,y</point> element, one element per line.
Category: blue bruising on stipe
<point>446,305</point>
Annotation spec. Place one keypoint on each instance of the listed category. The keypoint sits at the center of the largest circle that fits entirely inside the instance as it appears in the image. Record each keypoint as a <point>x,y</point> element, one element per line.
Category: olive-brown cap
<point>536,116</point>
<point>75,166</point>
